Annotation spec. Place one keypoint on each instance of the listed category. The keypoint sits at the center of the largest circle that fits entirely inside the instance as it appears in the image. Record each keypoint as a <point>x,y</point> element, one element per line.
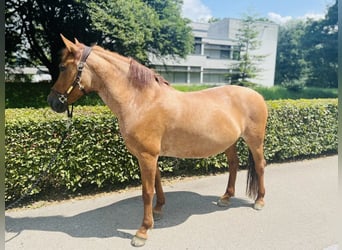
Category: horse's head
<point>72,82</point>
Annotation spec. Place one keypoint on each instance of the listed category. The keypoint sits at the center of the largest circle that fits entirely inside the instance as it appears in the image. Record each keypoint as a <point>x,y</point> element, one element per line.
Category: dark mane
<point>141,76</point>
<point>161,79</point>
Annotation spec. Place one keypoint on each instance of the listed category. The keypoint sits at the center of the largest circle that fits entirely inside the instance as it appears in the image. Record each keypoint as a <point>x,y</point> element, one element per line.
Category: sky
<point>279,11</point>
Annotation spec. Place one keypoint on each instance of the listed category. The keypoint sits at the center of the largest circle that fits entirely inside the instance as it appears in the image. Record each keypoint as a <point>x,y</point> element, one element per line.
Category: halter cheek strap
<point>63,98</point>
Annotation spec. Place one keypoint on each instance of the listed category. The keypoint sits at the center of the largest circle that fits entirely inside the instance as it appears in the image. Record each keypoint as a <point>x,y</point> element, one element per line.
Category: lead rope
<point>52,161</point>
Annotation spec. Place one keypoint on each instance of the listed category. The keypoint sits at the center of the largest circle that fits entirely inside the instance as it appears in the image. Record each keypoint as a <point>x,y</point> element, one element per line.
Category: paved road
<point>299,214</point>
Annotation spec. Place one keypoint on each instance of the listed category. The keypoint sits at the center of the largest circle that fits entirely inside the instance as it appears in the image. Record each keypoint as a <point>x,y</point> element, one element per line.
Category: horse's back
<point>236,93</point>
<point>207,122</point>
<point>238,102</point>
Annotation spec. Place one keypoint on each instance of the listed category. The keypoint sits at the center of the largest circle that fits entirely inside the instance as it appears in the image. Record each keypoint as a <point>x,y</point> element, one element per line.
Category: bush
<point>301,129</point>
<point>278,93</point>
<point>34,95</point>
<point>94,155</point>
<point>294,85</point>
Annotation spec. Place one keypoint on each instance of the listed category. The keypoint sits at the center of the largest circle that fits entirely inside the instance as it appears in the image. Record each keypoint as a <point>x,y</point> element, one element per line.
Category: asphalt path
<point>300,213</point>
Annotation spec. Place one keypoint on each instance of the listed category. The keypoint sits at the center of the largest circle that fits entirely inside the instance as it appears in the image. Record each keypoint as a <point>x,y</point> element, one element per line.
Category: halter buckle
<point>80,66</point>
<point>81,87</point>
<point>63,98</point>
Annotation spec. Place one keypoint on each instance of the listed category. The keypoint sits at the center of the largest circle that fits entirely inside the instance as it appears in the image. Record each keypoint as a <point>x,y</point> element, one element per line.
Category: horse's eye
<point>62,68</point>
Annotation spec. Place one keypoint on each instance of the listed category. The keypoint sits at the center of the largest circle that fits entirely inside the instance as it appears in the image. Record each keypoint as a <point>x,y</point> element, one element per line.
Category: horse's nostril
<point>55,104</point>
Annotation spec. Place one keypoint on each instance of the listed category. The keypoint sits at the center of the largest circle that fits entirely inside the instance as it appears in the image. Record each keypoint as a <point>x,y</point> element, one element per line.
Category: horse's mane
<point>138,74</point>
<point>141,76</point>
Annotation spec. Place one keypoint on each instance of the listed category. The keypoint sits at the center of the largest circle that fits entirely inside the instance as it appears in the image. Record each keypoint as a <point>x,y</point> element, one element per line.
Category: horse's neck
<point>127,105</point>
<point>115,96</point>
<point>109,80</point>
<point>115,89</point>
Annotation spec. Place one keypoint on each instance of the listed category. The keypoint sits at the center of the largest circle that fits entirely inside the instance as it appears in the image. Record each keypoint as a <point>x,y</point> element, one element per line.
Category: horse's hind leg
<point>157,210</point>
<point>233,162</point>
<point>255,180</point>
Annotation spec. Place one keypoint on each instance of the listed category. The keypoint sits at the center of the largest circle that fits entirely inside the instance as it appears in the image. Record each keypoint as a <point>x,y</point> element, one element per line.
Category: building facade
<point>27,74</point>
<point>216,51</point>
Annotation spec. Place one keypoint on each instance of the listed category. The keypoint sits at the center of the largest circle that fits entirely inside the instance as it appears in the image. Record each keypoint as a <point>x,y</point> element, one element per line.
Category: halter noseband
<point>63,98</point>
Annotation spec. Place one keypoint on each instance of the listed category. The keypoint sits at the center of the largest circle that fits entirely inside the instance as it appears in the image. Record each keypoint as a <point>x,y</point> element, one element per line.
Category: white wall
<point>224,33</point>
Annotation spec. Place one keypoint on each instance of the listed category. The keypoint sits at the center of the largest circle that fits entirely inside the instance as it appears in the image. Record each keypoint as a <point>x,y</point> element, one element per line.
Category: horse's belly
<point>193,153</point>
<point>195,146</point>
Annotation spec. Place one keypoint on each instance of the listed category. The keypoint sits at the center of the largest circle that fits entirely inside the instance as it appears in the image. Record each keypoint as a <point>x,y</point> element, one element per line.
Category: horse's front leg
<point>233,162</point>
<point>157,210</point>
<point>148,165</point>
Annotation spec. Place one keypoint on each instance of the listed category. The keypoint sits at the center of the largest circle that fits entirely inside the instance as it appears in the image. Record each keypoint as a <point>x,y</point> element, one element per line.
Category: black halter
<point>63,98</point>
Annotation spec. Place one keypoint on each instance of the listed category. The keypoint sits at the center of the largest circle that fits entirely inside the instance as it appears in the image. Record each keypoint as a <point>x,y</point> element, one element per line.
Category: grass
<point>188,87</point>
<point>34,95</point>
<point>276,92</point>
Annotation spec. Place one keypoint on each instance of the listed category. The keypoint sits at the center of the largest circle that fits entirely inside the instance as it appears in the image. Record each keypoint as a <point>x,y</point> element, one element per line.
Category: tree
<point>307,51</point>
<point>321,43</point>
<point>133,28</point>
<point>290,62</point>
<point>32,30</point>
<point>247,39</point>
<point>137,28</point>
<point>125,26</point>
<point>174,36</point>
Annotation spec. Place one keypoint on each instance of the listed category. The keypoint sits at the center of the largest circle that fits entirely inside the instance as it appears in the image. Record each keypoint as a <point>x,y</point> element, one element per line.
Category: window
<point>198,46</point>
<point>224,54</point>
<point>236,53</point>
<point>215,76</point>
<point>216,51</point>
<point>173,74</point>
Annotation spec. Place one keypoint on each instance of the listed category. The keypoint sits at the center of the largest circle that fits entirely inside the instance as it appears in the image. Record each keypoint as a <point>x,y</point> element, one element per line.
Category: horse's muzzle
<point>56,104</point>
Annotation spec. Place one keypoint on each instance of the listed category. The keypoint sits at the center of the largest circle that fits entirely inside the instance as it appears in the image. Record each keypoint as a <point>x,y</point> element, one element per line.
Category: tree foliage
<point>174,36</point>
<point>307,51</point>
<point>134,28</point>
<point>137,27</point>
<point>120,29</point>
<point>321,41</point>
<point>33,28</point>
<point>291,65</point>
<point>247,38</point>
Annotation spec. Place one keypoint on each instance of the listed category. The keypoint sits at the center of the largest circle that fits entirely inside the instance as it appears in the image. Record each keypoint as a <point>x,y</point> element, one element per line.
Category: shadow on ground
<point>109,221</point>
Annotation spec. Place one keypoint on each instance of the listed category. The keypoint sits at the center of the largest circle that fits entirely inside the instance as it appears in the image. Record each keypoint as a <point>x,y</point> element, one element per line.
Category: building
<point>216,51</point>
<point>27,74</point>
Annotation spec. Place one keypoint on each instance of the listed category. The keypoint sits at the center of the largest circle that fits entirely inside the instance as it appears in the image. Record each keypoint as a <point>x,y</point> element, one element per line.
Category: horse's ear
<point>70,45</point>
<point>76,41</point>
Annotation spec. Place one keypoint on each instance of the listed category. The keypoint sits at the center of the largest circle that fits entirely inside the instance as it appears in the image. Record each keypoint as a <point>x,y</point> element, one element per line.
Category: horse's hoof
<point>259,205</point>
<point>157,215</point>
<point>138,241</point>
<point>223,202</point>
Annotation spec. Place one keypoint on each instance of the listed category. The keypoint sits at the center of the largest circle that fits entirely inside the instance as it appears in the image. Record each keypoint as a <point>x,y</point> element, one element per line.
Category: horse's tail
<point>252,178</point>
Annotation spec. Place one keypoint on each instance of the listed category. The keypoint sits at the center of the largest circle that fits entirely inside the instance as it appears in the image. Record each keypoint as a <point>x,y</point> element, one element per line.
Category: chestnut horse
<point>157,120</point>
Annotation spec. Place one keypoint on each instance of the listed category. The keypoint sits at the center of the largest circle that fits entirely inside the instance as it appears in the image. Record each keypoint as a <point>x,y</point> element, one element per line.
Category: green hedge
<point>95,157</point>
<point>34,95</point>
